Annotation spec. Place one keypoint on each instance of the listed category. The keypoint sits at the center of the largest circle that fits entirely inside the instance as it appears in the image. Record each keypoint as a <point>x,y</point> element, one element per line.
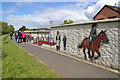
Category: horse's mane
<point>98,35</point>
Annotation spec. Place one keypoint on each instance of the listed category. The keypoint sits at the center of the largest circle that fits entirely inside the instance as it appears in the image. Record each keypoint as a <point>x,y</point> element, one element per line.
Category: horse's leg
<point>89,53</point>
<point>84,48</point>
<point>98,52</point>
<point>93,53</point>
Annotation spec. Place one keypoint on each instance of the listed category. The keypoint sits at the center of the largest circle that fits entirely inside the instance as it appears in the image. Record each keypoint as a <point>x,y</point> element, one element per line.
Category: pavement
<point>65,66</point>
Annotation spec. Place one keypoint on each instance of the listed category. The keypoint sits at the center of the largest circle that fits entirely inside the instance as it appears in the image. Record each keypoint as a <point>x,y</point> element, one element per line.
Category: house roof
<point>114,8</point>
<point>39,31</point>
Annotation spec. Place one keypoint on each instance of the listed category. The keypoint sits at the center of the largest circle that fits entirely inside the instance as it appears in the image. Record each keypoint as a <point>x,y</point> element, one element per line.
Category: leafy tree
<point>6,29</point>
<point>23,28</point>
<point>68,22</point>
<point>11,27</point>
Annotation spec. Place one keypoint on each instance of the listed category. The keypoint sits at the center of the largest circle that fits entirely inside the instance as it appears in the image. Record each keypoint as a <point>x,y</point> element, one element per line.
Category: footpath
<point>66,66</point>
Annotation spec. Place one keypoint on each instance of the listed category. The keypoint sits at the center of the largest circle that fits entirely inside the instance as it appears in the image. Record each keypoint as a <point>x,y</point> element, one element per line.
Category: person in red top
<point>23,36</point>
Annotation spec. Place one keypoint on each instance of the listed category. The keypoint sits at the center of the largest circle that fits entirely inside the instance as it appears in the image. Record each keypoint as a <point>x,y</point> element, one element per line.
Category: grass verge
<point>16,63</point>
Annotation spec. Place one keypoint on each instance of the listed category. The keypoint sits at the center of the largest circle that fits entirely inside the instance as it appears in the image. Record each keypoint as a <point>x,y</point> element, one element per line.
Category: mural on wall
<point>93,42</point>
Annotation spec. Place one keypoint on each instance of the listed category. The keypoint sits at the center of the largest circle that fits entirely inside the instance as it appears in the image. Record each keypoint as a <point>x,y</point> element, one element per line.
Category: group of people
<point>19,37</point>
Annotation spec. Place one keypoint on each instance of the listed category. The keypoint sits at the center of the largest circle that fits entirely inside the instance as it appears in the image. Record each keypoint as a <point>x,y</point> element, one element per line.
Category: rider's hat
<point>94,25</point>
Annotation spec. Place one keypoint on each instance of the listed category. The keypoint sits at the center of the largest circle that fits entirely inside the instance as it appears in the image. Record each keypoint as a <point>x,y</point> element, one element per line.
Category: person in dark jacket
<point>93,33</point>
<point>19,37</point>
<point>16,37</point>
<point>11,35</point>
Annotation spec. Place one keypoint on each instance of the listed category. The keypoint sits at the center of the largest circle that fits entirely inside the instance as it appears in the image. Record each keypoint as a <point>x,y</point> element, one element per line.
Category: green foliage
<point>6,29</point>
<point>23,28</point>
<point>71,21</point>
<point>11,27</point>
<point>17,63</point>
<point>68,22</point>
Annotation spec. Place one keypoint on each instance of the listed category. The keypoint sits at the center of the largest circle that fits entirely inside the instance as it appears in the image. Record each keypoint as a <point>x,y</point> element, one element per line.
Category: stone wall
<point>76,32</point>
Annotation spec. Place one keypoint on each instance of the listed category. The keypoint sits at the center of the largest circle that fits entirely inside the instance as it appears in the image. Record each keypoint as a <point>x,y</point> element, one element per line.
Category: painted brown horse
<point>95,46</point>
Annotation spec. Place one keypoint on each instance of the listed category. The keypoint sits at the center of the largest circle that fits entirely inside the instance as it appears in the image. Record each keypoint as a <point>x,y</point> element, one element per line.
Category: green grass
<point>16,63</point>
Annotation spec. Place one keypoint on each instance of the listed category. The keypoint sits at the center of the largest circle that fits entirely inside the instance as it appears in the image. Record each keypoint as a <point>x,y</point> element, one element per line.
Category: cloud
<point>92,10</point>
<point>77,12</point>
<point>11,10</point>
<point>58,15</point>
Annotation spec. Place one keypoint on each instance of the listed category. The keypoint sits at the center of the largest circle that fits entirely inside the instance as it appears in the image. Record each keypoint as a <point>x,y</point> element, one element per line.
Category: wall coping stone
<point>85,23</point>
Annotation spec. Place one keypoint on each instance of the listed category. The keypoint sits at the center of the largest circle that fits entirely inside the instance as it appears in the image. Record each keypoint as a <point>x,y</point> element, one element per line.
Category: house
<point>38,33</point>
<point>108,12</point>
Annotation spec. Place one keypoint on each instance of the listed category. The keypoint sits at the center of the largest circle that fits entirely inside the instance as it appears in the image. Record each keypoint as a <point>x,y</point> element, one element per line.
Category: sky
<point>38,14</point>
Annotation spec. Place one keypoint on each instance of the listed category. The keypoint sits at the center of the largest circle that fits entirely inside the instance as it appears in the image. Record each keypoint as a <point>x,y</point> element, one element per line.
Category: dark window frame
<point>101,19</point>
<point>112,17</point>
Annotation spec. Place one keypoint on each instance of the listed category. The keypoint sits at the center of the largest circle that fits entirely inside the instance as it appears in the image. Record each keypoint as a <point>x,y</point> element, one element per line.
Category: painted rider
<point>93,33</point>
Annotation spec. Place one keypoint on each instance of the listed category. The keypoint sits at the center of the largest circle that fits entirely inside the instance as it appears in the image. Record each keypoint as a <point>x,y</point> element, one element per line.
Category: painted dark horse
<point>95,46</point>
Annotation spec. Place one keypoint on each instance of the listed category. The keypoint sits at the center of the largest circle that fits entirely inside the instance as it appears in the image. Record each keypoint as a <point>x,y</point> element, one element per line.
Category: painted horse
<point>95,45</point>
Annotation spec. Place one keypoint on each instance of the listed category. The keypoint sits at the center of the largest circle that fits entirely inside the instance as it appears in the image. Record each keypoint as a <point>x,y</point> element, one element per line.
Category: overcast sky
<point>37,14</point>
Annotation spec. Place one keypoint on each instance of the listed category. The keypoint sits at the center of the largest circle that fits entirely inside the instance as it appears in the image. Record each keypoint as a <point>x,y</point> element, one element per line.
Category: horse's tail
<point>80,45</point>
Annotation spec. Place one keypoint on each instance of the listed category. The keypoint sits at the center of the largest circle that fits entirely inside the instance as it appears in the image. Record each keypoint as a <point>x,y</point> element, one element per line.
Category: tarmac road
<point>66,66</point>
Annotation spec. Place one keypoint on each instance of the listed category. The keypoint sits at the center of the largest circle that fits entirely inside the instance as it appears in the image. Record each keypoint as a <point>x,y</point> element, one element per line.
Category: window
<point>112,17</point>
<point>101,19</point>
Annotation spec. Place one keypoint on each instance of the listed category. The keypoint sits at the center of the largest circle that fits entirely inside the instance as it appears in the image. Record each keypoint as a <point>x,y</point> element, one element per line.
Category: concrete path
<point>65,66</point>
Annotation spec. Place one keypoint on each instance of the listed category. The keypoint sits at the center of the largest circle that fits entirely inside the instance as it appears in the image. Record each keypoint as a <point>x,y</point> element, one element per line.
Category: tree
<point>6,29</point>
<point>68,22</point>
<point>23,28</point>
<point>11,27</point>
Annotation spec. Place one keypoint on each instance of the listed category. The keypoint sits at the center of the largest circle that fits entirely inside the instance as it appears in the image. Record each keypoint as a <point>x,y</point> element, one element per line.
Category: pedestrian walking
<point>16,37</point>
<point>19,37</point>
<point>11,35</point>
<point>23,36</point>
<point>29,37</point>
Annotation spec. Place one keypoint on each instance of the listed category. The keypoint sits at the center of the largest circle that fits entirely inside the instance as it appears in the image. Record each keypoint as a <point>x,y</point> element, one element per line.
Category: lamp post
<point>51,24</point>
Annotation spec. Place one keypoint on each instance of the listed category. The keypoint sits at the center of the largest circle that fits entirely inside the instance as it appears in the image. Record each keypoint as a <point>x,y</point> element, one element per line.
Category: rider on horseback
<point>93,33</point>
